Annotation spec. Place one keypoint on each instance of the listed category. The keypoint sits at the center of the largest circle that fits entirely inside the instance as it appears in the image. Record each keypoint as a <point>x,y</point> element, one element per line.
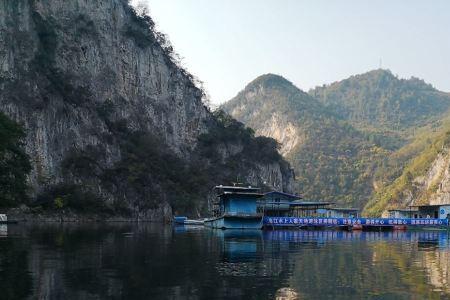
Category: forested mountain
<point>332,160</point>
<point>349,141</point>
<point>112,123</point>
<point>380,100</point>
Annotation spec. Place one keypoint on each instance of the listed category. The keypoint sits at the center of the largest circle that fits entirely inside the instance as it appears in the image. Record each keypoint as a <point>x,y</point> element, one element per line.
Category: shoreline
<point>27,215</point>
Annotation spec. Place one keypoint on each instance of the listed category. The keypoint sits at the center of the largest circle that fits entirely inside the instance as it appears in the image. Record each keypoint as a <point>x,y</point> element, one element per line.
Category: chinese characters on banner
<point>292,221</point>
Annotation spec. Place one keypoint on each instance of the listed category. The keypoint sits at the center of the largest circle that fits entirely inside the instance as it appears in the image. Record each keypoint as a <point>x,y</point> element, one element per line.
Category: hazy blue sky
<point>227,43</point>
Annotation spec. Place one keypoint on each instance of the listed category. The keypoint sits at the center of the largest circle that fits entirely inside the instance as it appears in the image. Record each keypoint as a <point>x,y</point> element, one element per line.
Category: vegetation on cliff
<point>150,168</point>
<point>397,174</point>
<point>14,163</point>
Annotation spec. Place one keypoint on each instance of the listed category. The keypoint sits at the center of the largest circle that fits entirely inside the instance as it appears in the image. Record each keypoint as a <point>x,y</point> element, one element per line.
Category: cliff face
<point>85,77</point>
<point>73,60</point>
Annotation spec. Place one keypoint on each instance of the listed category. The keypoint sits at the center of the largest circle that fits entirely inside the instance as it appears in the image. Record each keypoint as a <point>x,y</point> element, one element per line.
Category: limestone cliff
<point>96,88</point>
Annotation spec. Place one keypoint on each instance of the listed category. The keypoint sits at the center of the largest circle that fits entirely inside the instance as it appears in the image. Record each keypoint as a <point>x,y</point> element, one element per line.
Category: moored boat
<point>181,220</point>
<point>194,222</point>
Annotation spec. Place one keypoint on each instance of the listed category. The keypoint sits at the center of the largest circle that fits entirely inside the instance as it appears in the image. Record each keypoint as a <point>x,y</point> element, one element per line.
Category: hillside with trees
<point>332,160</point>
<point>380,100</point>
<point>347,141</point>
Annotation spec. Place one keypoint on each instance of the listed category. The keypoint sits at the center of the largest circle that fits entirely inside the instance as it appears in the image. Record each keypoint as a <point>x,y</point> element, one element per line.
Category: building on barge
<point>435,211</point>
<point>236,207</point>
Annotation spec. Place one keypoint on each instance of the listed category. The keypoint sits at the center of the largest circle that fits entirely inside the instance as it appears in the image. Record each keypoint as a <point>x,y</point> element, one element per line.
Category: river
<point>152,261</point>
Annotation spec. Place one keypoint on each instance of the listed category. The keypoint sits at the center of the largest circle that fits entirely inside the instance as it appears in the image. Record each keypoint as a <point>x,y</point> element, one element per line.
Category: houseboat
<point>236,208</point>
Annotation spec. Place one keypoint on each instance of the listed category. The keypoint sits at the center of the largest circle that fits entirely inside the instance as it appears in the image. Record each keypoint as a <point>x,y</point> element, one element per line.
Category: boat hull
<point>235,222</point>
<point>193,222</point>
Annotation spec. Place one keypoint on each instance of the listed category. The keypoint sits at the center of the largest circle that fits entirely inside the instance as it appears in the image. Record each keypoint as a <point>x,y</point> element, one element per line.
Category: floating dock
<point>246,208</point>
<point>352,223</point>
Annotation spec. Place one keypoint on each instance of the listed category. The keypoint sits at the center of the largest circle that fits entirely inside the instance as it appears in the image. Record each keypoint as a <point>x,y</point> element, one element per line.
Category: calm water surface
<point>95,261</point>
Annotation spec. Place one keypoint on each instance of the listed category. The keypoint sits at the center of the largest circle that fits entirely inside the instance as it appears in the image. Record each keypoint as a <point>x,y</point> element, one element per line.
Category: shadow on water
<point>150,261</point>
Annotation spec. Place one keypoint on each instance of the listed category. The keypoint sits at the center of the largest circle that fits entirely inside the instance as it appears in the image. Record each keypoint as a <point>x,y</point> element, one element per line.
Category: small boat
<point>236,208</point>
<point>194,222</point>
<point>181,220</point>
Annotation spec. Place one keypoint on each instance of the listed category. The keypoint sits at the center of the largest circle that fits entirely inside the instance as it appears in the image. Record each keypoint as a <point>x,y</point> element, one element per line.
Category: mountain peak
<point>378,73</point>
<point>269,80</point>
<point>381,99</point>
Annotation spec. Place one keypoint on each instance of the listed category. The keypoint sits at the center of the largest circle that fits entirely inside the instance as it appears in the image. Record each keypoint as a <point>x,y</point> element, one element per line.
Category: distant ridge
<point>380,99</point>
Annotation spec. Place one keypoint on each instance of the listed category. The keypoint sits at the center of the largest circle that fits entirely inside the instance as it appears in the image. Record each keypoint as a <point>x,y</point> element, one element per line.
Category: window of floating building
<point>322,212</point>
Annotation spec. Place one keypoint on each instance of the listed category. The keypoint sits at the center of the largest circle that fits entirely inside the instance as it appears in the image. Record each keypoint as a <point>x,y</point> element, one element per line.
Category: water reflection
<point>149,261</point>
<point>3,230</point>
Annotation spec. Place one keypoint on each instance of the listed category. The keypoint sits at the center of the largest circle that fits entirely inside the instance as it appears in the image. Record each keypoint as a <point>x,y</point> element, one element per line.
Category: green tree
<point>59,203</point>
<point>14,163</point>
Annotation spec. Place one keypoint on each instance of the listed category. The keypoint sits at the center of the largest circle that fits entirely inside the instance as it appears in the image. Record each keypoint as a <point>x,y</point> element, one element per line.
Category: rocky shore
<point>27,214</point>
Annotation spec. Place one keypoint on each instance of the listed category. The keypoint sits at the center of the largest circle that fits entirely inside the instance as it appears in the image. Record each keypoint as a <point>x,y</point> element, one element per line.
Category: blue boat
<point>236,208</point>
<point>181,220</point>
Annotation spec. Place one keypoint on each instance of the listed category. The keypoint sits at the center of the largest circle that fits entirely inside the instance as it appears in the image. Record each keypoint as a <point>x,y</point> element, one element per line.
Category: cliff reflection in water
<point>97,261</point>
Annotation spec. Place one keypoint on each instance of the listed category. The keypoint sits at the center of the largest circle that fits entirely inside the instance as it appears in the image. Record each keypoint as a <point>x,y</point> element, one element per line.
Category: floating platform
<point>235,222</point>
<point>353,223</point>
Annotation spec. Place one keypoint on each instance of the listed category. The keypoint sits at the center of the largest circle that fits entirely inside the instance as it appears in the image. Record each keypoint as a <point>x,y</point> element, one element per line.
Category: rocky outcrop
<point>84,76</point>
<point>434,186</point>
<point>425,180</point>
<point>285,132</point>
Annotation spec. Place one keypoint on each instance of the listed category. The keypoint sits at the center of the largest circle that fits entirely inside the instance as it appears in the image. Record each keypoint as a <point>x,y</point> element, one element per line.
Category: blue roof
<point>283,194</point>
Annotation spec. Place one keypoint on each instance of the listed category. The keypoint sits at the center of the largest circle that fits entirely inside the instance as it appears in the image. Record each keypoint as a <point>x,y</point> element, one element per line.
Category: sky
<point>228,43</point>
